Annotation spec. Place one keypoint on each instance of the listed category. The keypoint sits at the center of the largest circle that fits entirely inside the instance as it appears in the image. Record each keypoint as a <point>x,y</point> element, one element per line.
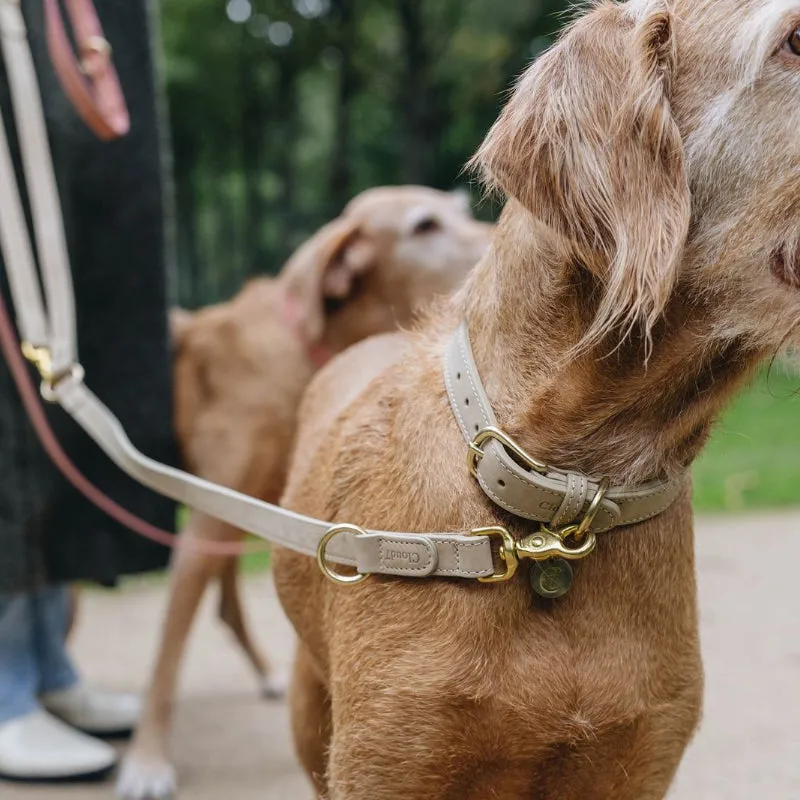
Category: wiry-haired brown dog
<point>647,260</point>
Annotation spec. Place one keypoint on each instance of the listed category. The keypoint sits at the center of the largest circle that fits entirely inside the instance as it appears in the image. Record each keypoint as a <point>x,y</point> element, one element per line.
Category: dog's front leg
<point>310,707</point>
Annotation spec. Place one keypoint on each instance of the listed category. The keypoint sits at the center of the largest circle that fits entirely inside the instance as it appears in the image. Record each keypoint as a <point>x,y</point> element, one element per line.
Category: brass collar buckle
<point>572,543</point>
<point>475,452</point>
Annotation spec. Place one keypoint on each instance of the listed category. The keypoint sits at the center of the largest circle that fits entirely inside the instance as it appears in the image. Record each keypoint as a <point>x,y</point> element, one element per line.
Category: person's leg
<point>19,674</point>
<point>60,689</point>
<point>51,619</point>
<point>33,744</point>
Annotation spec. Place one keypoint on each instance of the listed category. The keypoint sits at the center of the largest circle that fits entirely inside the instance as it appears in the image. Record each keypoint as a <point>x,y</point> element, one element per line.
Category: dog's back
<point>239,373</point>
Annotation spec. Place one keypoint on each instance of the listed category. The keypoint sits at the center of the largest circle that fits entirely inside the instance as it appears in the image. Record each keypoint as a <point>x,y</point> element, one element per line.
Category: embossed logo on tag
<point>395,556</point>
<point>551,579</point>
<point>402,557</point>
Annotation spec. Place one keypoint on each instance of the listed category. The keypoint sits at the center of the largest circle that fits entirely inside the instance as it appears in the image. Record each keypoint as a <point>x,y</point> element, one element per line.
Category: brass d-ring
<point>94,46</point>
<point>322,562</point>
<point>594,507</point>
<point>99,45</point>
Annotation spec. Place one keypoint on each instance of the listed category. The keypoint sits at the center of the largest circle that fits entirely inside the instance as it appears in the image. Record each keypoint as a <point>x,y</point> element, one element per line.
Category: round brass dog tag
<point>551,579</point>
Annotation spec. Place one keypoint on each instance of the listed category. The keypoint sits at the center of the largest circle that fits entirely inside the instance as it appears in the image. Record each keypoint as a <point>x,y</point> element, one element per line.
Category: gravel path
<point>230,744</point>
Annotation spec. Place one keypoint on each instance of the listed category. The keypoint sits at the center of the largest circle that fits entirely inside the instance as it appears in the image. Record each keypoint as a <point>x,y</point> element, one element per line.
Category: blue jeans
<point>33,656</point>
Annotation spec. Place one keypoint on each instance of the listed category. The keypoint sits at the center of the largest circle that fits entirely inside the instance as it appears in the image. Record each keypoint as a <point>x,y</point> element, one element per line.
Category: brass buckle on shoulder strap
<point>40,358</point>
<point>475,453</point>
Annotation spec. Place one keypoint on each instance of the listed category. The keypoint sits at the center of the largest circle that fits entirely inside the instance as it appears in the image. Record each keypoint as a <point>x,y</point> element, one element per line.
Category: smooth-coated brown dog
<point>647,260</point>
<point>240,370</point>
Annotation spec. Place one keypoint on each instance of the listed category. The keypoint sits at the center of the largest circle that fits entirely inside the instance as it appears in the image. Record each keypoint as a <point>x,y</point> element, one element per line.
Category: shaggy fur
<point>240,370</point>
<point>646,262</point>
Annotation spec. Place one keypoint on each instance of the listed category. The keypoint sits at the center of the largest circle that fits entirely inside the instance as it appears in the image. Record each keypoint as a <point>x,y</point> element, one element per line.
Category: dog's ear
<point>462,200</point>
<point>589,145</point>
<point>326,268</point>
<point>180,321</point>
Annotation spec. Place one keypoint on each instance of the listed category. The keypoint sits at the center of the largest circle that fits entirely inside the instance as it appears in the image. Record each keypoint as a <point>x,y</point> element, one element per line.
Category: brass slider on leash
<point>41,359</point>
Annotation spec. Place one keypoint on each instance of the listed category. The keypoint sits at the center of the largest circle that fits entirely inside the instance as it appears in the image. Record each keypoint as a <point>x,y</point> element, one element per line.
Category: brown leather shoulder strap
<point>90,81</point>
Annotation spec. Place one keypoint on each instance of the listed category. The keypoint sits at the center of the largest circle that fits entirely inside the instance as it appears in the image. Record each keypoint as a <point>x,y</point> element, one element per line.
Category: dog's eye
<point>793,42</point>
<point>426,225</point>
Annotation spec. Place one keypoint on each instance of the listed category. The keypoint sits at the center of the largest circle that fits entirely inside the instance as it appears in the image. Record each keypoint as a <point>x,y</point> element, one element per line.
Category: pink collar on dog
<point>318,354</point>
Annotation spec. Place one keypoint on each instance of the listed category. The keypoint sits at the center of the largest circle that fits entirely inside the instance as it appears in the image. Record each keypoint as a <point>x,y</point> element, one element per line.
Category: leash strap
<point>522,485</point>
<point>371,552</point>
<point>56,328</point>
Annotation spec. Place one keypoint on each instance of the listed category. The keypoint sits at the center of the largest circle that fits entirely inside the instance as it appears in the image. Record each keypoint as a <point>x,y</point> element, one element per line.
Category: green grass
<point>753,458</point>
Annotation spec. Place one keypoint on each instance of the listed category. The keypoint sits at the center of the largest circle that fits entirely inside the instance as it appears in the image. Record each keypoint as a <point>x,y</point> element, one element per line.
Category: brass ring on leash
<point>322,561</point>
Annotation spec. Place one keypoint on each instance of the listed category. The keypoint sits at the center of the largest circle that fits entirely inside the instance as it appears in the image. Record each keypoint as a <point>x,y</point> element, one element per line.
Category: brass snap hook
<point>594,508</point>
<point>546,544</point>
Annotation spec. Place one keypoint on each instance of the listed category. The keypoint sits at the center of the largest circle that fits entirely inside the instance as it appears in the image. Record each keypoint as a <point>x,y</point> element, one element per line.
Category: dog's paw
<point>146,778</point>
<point>274,685</point>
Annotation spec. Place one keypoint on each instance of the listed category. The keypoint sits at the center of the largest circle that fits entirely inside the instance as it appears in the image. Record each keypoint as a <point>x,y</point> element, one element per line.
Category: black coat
<point>113,199</point>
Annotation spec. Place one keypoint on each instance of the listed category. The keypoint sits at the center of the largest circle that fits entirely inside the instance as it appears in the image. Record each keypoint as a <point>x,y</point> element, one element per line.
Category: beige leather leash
<point>50,342</point>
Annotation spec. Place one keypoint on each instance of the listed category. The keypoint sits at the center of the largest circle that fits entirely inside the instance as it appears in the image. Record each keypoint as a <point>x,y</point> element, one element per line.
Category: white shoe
<point>95,712</point>
<point>38,747</point>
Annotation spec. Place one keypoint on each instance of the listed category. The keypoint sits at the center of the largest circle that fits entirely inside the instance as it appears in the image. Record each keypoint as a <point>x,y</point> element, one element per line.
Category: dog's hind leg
<point>231,612</point>
<point>146,771</point>
<point>310,706</point>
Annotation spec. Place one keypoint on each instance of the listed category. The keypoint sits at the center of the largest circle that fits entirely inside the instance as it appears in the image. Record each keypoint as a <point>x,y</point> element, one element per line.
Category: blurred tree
<point>282,110</point>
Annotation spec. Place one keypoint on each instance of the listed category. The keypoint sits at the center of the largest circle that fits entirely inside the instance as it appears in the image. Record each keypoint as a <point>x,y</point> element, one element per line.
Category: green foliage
<point>272,139</point>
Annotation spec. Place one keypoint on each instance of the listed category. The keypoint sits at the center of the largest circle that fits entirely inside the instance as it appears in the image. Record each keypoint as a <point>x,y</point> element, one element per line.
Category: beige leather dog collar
<point>522,485</point>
